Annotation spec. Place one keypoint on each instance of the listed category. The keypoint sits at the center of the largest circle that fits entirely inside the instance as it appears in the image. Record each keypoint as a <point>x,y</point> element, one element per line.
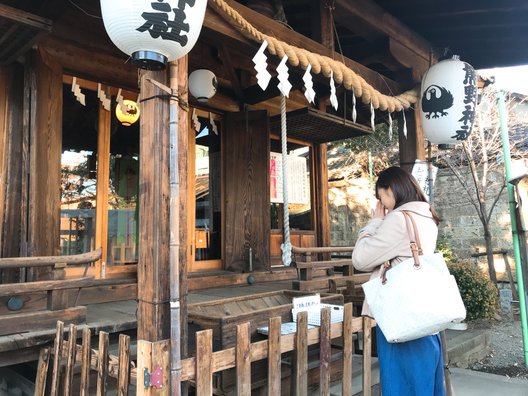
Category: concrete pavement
<point>474,383</point>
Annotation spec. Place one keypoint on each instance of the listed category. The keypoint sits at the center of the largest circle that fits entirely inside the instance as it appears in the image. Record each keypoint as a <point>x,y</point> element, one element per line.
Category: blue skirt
<point>413,368</point>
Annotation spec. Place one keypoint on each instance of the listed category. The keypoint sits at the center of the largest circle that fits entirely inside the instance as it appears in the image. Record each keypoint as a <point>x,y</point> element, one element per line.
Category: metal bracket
<point>146,378</point>
<point>154,379</point>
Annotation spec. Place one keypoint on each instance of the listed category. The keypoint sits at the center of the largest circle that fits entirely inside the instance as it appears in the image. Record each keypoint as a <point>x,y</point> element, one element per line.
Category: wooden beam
<point>21,262</point>
<point>9,289</point>
<point>41,320</point>
<point>323,23</point>
<point>25,18</point>
<point>81,62</point>
<point>231,71</point>
<point>383,22</point>
<point>215,23</point>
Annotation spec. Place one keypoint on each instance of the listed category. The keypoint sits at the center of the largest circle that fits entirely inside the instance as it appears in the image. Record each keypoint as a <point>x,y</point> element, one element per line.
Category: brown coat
<point>386,239</point>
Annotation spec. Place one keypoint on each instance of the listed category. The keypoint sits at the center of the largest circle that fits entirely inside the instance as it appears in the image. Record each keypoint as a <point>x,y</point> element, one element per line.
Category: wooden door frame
<point>201,265</point>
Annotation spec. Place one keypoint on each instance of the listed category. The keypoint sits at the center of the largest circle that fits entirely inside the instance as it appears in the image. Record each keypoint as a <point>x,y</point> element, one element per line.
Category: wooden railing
<point>154,370</point>
<point>313,261</point>
<point>58,307</point>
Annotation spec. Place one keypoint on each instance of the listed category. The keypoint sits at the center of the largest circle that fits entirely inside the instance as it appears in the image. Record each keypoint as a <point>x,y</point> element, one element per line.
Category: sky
<point>512,79</point>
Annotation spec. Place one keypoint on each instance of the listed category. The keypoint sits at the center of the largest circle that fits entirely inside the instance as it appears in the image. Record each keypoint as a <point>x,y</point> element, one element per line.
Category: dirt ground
<point>507,354</point>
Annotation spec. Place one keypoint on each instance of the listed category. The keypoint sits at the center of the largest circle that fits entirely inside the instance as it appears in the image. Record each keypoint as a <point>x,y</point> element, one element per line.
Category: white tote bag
<point>416,298</point>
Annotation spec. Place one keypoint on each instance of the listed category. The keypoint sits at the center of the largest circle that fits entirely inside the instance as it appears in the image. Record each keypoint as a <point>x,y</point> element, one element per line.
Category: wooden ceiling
<point>485,33</point>
<point>390,43</point>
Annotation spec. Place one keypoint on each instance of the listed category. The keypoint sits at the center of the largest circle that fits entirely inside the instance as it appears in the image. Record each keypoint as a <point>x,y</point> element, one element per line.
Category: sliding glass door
<point>100,175</point>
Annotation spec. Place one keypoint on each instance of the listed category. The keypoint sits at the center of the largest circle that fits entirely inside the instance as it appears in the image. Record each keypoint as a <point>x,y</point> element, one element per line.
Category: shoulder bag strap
<point>414,238</point>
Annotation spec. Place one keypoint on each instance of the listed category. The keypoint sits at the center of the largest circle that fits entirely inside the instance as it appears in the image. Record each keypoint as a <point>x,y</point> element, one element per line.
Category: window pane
<point>208,193</point>
<point>123,192</point>
<point>78,173</point>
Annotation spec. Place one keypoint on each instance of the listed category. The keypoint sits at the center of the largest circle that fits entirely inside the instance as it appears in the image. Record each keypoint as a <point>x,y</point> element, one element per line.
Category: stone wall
<point>460,229</point>
<point>349,209</point>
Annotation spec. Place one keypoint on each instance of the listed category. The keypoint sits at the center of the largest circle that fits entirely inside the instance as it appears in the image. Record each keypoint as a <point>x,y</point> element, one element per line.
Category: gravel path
<point>507,356</point>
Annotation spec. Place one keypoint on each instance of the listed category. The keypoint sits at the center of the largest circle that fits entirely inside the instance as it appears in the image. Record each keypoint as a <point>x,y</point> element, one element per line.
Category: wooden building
<point>73,178</point>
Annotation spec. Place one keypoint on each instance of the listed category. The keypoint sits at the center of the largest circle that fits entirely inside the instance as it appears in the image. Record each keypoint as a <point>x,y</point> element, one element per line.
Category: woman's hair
<point>404,187</point>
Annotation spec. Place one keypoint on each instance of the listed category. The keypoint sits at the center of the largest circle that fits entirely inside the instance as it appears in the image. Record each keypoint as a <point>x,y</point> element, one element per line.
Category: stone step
<point>467,347</point>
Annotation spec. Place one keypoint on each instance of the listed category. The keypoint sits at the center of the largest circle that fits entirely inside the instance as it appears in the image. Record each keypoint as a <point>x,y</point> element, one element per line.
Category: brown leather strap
<point>416,233</point>
<point>383,271</point>
<point>414,238</point>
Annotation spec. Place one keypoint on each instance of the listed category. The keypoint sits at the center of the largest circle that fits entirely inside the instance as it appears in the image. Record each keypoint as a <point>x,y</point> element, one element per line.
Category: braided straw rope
<point>320,64</point>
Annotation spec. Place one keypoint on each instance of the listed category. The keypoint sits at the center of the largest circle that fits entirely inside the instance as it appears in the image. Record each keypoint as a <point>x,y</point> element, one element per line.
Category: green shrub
<point>480,296</point>
<point>449,255</point>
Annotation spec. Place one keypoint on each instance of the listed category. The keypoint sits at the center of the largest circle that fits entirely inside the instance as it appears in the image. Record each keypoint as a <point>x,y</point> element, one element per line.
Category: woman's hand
<point>379,211</point>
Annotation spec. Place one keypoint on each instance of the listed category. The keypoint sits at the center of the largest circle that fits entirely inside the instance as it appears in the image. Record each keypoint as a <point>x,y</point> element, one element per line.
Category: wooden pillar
<point>322,220</point>
<point>183,148</point>
<point>412,147</point>
<point>154,233</point>
<point>11,144</point>
<point>45,148</point>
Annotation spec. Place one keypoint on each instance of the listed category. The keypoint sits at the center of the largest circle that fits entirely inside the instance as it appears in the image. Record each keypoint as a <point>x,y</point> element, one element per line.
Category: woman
<point>412,368</point>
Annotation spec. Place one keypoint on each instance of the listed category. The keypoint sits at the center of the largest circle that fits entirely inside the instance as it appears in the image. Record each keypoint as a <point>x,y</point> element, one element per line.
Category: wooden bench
<point>22,316</point>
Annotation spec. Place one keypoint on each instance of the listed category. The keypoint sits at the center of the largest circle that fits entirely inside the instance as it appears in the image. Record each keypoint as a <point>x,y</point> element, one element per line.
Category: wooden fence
<point>152,374</point>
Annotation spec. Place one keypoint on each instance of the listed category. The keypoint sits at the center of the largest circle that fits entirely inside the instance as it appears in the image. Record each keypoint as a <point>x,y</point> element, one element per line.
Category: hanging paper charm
<point>76,89</point>
<point>121,101</point>
<point>390,126</point>
<point>282,70</point>
<point>333,97</point>
<point>106,102</point>
<point>195,122</point>
<point>260,61</point>
<point>404,124</point>
<point>372,118</point>
<point>214,127</point>
<point>354,111</point>
<point>449,99</point>
<point>151,32</point>
<point>309,92</point>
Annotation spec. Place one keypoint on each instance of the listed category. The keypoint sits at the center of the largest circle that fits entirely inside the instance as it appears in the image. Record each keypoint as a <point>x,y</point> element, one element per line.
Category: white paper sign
<point>298,185</point>
<point>420,172</point>
<point>306,302</point>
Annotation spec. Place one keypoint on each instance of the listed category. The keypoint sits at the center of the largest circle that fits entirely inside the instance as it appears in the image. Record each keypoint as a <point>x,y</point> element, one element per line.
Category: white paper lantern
<point>202,84</point>
<point>153,32</point>
<point>449,100</point>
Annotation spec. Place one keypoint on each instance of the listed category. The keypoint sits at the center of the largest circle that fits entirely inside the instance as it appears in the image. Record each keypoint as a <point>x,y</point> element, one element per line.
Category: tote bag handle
<point>414,242</point>
<point>414,238</point>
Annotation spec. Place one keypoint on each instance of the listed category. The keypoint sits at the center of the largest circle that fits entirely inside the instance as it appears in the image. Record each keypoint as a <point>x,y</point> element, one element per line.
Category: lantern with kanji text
<point>448,101</point>
<point>153,32</point>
